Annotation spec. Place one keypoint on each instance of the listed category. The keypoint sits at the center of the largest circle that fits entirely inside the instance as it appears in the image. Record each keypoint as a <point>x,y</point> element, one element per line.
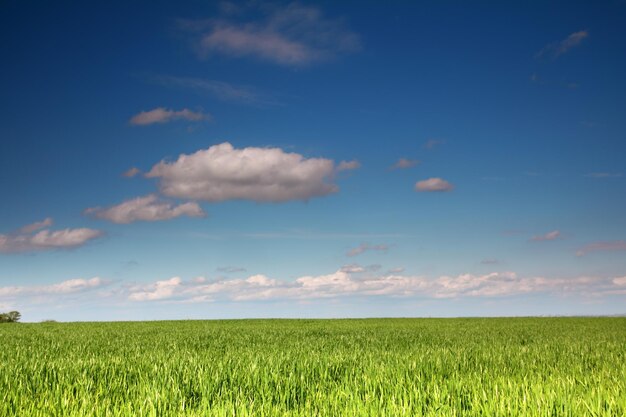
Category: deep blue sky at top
<point>532,142</point>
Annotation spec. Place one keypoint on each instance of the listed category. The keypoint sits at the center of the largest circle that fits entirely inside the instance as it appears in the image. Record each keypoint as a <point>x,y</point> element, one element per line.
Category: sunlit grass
<point>380,367</point>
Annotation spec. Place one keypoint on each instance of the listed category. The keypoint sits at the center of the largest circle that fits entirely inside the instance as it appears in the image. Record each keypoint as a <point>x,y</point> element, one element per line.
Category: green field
<point>375,367</point>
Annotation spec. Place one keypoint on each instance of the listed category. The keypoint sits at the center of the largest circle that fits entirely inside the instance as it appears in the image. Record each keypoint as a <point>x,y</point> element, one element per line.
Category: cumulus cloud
<point>148,208</point>
<point>222,173</point>
<point>404,163</point>
<point>349,281</point>
<point>433,184</point>
<point>364,247</point>
<point>163,115</point>
<point>157,291</point>
<point>65,287</point>
<point>556,49</point>
<point>199,289</point>
<point>553,235</point>
<point>294,35</point>
<point>26,240</point>
<point>616,245</point>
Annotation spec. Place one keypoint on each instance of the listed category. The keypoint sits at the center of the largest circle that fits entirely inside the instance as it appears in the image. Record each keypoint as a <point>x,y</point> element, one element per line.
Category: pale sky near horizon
<point>172,160</point>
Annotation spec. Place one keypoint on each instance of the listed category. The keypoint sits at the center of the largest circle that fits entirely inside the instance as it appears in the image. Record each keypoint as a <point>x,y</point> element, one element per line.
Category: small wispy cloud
<point>348,166</point>
<point>513,232</point>
<point>490,261</point>
<point>604,175</point>
<point>556,49</point>
<point>352,269</point>
<point>433,143</point>
<point>37,237</point>
<point>404,163</point>
<point>30,228</point>
<point>306,234</point>
<point>148,208</point>
<point>366,247</point>
<point>231,269</point>
<point>433,185</point>
<point>615,245</point>
<point>220,90</point>
<point>162,115</point>
<point>295,35</point>
<point>539,80</point>
<point>553,235</point>
<point>131,172</point>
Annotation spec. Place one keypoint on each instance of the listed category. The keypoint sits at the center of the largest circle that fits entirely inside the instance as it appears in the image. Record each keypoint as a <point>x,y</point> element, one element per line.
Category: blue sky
<point>312,159</point>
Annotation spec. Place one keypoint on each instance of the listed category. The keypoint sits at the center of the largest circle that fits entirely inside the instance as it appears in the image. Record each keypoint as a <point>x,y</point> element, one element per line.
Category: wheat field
<point>371,367</point>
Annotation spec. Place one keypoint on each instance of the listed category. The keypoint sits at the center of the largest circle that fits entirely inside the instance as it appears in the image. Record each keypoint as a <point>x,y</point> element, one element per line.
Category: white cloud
<point>222,173</point>
<point>556,49</point>
<point>163,115</point>
<point>30,228</point>
<point>616,245</point>
<point>63,238</point>
<point>364,247</point>
<point>26,240</point>
<point>553,235</point>
<point>294,35</point>
<point>157,291</point>
<point>433,184</point>
<point>148,208</point>
<point>404,163</point>
<point>242,41</point>
<point>65,287</point>
<point>261,281</point>
<point>348,282</point>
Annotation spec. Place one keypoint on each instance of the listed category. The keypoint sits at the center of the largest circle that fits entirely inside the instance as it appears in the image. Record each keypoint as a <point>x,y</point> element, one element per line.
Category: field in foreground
<point>377,367</point>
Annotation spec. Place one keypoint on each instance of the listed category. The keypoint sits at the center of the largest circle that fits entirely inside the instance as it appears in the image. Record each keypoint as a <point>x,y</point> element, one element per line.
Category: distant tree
<point>10,317</point>
<point>14,316</point>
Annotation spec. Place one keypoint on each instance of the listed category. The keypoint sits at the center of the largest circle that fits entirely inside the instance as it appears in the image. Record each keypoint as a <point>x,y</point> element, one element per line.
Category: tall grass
<point>380,367</point>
